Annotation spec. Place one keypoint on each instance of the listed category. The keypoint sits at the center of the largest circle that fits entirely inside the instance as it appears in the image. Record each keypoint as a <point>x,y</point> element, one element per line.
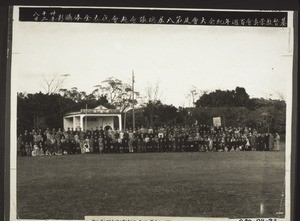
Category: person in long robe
<point>277,141</point>
<point>91,144</point>
<point>210,144</point>
<point>271,142</point>
<point>100,144</point>
<point>252,140</point>
<point>247,145</point>
<point>130,145</point>
<point>82,147</point>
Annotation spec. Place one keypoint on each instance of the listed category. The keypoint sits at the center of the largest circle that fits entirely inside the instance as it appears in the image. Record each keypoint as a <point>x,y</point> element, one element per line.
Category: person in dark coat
<point>266,140</point>
<point>22,149</point>
<point>271,142</point>
<point>261,142</point>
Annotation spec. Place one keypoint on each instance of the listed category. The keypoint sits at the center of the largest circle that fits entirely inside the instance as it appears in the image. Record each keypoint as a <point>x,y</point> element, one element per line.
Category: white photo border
<point>288,142</point>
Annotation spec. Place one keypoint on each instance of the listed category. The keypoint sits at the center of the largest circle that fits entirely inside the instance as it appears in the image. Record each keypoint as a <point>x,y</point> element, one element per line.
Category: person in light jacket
<point>277,140</point>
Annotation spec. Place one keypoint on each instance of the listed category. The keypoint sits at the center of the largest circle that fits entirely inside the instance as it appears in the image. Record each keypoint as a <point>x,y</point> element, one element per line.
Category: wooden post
<point>85,117</point>
<point>133,114</point>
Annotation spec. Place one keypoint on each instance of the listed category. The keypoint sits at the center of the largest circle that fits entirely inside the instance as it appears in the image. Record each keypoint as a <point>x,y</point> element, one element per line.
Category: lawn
<point>222,184</point>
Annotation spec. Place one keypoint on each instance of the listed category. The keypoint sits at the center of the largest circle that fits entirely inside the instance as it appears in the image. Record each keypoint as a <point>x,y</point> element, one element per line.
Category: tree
<point>241,97</point>
<point>111,87</point>
<point>228,98</point>
<point>53,83</point>
<point>158,114</point>
<point>152,99</point>
<point>193,92</point>
<point>73,94</point>
<point>119,94</point>
<point>41,110</point>
<point>280,95</point>
<point>152,92</point>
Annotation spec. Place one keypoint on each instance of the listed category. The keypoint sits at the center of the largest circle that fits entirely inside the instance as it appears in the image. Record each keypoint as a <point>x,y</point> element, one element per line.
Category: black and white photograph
<point>152,114</point>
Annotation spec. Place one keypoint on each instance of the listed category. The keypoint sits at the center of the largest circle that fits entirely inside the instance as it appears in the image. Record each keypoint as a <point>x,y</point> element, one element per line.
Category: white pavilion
<point>92,118</point>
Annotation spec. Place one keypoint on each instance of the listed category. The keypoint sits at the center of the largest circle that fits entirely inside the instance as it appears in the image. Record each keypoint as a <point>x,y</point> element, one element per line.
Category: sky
<point>177,57</point>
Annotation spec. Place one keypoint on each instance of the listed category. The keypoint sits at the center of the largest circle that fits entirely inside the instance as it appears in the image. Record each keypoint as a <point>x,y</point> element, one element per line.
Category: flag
<point>217,121</point>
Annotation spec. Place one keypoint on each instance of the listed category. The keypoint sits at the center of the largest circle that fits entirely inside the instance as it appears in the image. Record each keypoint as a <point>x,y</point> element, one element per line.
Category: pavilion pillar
<point>120,122</point>
<point>74,122</point>
<point>81,122</point>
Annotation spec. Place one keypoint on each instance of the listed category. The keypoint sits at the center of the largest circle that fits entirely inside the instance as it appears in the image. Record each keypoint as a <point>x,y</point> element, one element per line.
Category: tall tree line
<point>42,110</point>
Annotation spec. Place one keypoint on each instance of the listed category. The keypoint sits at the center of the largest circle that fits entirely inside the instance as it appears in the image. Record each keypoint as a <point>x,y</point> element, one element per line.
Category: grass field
<point>225,184</point>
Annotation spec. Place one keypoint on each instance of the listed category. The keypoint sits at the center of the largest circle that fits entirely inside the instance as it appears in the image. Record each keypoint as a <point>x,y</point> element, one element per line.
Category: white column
<point>74,122</point>
<point>100,122</point>
<point>81,122</point>
<point>65,124</point>
<point>120,122</point>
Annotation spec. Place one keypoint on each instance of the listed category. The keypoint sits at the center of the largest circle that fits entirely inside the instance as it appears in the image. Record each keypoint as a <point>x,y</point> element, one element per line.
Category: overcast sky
<point>178,57</point>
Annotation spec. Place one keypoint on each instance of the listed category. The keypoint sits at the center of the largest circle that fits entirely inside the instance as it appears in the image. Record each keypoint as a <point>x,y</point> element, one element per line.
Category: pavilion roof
<point>97,110</point>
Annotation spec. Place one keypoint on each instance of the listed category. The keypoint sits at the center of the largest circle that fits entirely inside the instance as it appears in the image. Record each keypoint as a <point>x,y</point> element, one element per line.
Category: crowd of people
<point>200,138</point>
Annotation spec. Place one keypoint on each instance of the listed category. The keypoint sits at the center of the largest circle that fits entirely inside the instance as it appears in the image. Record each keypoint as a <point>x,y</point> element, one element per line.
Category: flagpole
<point>133,114</point>
<point>86,117</point>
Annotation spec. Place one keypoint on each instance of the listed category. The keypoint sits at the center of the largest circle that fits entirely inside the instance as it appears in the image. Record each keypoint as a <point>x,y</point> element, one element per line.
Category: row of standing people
<point>163,139</point>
